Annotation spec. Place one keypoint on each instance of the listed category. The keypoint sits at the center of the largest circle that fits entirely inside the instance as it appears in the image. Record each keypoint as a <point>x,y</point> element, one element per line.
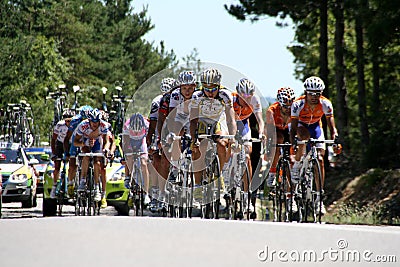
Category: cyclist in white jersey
<point>57,147</point>
<point>152,140</point>
<point>211,106</point>
<point>91,136</point>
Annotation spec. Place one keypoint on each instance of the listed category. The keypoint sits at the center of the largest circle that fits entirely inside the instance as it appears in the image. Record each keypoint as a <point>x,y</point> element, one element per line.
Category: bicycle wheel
<point>286,191</point>
<point>60,196</point>
<point>189,180</point>
<point>138,194</point>
<point>316,200</point>
<point>215,180</point>
<point>91,203</point>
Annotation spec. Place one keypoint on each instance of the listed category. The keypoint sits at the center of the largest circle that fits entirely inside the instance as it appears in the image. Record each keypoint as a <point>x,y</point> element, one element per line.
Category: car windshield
<point>8,156</point>
<point>36,156</point>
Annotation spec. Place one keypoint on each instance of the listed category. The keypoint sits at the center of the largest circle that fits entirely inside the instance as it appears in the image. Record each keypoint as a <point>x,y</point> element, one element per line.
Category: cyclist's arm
<point>78,141</point>
<point>160,122</point>
<point>53,143</point>
<point>230,119</point>
<point>106,142</point>
<point>66,140</point>
<point>332,127</point>
<point>293,129</point>
<point>260,121</point>
<point>194,119</point>
<point>152,130</point>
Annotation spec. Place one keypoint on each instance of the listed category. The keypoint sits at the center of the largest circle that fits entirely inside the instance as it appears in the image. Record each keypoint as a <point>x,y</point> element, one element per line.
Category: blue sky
<point>257,50</point>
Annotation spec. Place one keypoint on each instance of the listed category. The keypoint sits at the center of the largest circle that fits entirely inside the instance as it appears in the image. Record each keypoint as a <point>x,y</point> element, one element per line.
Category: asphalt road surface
<point>110,240</point>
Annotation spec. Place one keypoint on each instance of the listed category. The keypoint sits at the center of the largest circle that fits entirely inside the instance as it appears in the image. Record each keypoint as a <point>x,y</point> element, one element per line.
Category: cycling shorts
<point>73,150</point>
<point>138,146</point>
<point>244,131</point>
<point>316,132</point>
<point>215,128</point>
<point>59,150</point>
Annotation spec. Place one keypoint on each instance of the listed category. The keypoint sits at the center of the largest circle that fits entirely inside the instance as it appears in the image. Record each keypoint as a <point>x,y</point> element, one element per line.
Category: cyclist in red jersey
<point>278,115</point>
<point>306,115</point>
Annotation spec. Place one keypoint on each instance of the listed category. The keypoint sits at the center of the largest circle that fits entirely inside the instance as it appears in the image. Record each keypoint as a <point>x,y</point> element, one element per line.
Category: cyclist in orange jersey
<point>278,114</point>
<point>246,102</point>
<point>306,115</point>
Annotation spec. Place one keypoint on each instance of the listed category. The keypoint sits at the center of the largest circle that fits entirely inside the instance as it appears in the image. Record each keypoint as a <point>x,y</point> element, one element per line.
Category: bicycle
<point>136,182</point>
<point>180,192</point>
<point>237,179</point>
<point>308,192</point>
<point>85,199</point>
<point>62,189</point>
<point>282,192</point>
<point>211,178</point>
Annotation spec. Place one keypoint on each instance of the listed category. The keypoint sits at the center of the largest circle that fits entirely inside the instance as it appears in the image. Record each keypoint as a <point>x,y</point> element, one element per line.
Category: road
<point>109,240</point>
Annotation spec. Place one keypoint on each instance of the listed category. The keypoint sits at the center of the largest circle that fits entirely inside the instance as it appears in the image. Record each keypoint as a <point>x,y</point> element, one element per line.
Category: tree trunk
<point>323,45</point>
<point>341,104</point>
<point>362,106</point>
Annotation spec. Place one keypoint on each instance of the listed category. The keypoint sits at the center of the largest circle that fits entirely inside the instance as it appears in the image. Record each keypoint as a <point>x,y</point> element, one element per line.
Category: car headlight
<point>118,176</point>
<point>18,178</point>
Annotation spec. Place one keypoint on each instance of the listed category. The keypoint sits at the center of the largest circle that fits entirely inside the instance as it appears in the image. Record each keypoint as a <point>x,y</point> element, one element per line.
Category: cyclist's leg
<point>97,164</point>
<point>303,133</point>
<point>84,170</point>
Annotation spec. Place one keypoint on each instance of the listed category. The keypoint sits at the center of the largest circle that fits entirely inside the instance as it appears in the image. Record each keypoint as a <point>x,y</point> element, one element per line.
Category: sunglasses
<point>210,87</point>
<point>246,95</point>
<point>286,106</point>
<point>314,93</point>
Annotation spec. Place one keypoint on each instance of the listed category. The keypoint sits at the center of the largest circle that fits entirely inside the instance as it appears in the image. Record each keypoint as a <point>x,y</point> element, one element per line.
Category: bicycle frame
<point>309,190</point>
<point>85,199</point>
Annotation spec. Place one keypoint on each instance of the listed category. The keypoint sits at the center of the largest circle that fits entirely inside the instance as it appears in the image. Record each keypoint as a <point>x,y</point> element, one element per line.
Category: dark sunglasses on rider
<point>210,87</point>
<point>312,93</point>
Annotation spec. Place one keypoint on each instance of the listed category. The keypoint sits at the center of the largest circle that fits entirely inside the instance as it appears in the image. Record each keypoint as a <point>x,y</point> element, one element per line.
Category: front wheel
<point>316,189</point>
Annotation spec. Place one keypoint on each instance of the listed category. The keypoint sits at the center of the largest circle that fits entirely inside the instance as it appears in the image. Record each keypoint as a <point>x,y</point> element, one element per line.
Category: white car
<point>19,177</point>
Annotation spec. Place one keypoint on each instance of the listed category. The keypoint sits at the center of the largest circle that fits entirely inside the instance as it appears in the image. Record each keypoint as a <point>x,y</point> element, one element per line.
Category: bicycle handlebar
<point>216,136</point>
<point>91,155</point>
<point>316,141</point>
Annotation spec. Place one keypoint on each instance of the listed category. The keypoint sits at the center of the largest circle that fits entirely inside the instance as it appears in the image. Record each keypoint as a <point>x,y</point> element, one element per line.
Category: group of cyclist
<point>188,105</point>
<point>87,131</point>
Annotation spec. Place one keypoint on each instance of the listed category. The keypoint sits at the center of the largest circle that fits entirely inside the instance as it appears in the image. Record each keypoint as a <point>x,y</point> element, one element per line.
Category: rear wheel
<point>316,200</point>
<point>31,201</point>
<point>49,207</point>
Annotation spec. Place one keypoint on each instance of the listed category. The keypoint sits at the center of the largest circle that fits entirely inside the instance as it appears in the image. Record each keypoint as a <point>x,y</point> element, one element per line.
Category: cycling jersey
<point>245,111</point>
<point>155,105</point>
<point>85,130</point>
<point>274,116</point>
<point>137,139</point>
<point>76,120</point>
<point>182,107</point>
<point>242,113</point>
<point>307,115</point>
<point>60,130</point>
<point>164,103</point>
<point>212,110</point>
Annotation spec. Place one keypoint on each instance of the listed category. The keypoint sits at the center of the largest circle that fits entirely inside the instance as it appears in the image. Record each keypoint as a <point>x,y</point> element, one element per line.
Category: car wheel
<point>123,210</point>
<point>34,201</point>
<point>49,207</point>
<point>29,202</point>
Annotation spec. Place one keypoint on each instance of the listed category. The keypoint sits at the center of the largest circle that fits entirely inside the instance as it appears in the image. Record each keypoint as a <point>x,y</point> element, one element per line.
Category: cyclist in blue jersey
<point>91,136</point>
<point>70,149</point>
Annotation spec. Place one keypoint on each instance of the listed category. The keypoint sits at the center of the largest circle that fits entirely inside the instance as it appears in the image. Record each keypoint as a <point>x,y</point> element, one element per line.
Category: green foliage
<point>381,44</point>
<point>92,44</point>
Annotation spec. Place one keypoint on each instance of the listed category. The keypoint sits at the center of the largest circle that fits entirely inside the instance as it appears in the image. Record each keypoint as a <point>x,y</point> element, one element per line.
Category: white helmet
<point>167,84</point>
<point>314,83</point>
<point>245,86</point>
<point>285,96</point>
<point>211,76</point>
<point>187,77</point>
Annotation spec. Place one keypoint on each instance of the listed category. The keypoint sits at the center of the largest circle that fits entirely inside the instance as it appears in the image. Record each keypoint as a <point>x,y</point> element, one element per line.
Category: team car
<point>42,154</point>
<point>116,193</point>
<point>19,180</point>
